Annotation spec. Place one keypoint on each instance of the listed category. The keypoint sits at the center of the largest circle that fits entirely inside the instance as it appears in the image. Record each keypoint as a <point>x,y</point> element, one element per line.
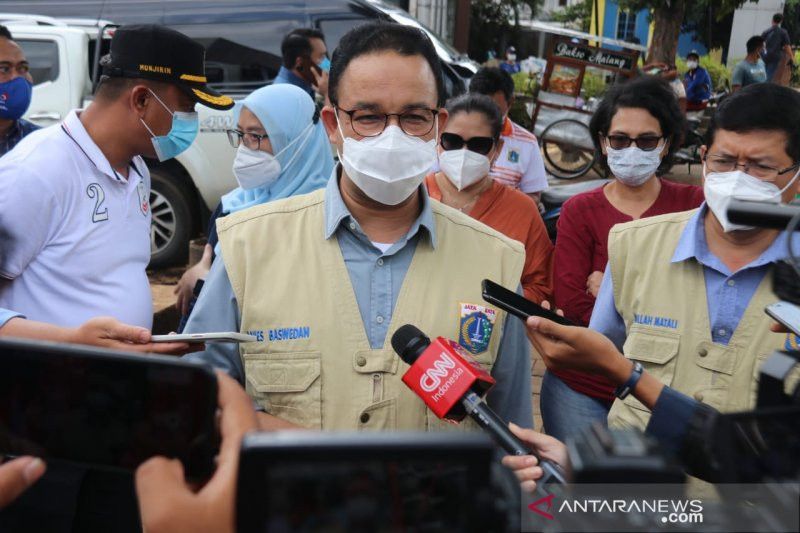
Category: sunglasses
<point>479,145</point>
<point>645,142</point>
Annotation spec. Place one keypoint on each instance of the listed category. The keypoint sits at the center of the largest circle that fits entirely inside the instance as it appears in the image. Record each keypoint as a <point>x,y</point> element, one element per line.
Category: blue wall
<point>685,43</point>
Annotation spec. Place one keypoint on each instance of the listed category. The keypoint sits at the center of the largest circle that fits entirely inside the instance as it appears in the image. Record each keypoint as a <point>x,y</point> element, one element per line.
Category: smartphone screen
<point>106,409</point>
<point>787,314</point>
<point>515,304</point>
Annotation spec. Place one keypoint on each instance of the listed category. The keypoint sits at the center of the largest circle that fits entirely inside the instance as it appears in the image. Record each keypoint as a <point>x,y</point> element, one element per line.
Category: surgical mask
<point>512,57</point>
<point>257,168</point>
<point>722,187</point>
<point>325,65</point>
<point>464,167</point>
<point>388,167</point>
<point>180,136</point>
<point>632,165</point>
<point>691,65</point>
<point>15,98</point>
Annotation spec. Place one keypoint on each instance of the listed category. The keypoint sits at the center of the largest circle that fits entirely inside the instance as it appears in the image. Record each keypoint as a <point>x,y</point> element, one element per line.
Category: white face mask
<point>691,65</point>
<point>722,187</point>
<point>388,167</point>
<point>464,167</point>
<point>512,57</point>
<point>257,168</point>
<point>632,165</point>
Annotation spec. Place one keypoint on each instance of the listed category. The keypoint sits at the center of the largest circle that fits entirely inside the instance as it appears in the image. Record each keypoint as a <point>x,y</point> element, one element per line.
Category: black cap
<point>162,54</point>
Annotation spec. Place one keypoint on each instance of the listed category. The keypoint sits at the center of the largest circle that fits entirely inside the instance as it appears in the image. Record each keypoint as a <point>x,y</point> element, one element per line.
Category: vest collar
<point>692,244</point>
<point>337,214</point>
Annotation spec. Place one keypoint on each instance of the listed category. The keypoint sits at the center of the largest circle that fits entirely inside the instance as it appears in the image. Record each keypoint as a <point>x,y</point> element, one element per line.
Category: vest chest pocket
<point>656,351</point>
<point>287,385</point>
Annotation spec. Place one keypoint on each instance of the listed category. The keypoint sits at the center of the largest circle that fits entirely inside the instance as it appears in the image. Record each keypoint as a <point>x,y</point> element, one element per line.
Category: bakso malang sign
<point>592,55</point>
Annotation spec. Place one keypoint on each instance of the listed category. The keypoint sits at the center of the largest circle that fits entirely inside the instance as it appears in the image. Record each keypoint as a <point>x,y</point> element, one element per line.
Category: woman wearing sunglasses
<point>636,130</point>
<point>467,148</point>
<point>282,150</point>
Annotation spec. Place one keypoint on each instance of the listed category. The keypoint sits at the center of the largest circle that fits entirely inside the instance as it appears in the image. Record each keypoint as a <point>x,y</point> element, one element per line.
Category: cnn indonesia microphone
<point>452,383</point>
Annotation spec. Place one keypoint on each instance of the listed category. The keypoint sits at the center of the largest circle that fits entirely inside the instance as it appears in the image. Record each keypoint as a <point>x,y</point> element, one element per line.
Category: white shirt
<point>519,164</point>
<point>74,234</point>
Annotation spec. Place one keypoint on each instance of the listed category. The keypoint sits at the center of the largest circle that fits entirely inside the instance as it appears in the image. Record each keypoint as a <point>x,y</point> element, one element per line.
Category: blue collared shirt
<point>728,293</point>
<point>19,129</point>
<point>287,76</point>
<point>376,278</point>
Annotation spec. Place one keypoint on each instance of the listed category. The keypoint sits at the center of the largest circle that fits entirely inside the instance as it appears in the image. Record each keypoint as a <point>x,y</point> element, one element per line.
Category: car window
<point>243,56</point>
<point>42,57</point>
<point>334,30</point>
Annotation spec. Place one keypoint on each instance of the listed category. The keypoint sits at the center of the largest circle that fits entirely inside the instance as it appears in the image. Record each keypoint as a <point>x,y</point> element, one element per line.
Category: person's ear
<point>328,116</point>
<point>602,143</point>
<point>139,99</point>
<point>298,62</point>
<point>665,150</point>
<point>442,117</point>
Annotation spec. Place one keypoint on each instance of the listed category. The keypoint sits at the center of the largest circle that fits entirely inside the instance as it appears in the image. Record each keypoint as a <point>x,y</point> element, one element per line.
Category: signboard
<point>593,56</point>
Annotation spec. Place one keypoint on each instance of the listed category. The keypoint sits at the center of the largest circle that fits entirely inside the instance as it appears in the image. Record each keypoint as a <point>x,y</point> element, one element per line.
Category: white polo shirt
<point>74,234</point>
<point>519,164</point>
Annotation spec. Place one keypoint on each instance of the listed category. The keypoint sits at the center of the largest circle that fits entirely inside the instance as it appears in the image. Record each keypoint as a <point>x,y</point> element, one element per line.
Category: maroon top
<point>582,248</point>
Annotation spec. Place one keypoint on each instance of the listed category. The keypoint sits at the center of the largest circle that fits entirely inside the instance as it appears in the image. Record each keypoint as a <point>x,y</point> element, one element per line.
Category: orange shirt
<point>515,215</point>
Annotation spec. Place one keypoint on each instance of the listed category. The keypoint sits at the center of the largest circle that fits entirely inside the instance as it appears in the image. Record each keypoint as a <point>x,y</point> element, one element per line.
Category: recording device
<point>444,376</point>
<point>221,337</point>
<point>761,214</point>
<point>786,314</point>
<point>515,304</point>
<point>599,454</point>
<point>106,409</point>
<point>322,481</point>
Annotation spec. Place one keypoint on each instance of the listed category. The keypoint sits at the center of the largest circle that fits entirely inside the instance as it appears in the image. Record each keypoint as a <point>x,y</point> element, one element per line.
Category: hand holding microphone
<point>451,384</point>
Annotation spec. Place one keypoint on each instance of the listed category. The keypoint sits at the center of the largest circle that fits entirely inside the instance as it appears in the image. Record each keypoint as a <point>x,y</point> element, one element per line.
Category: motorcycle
<point>554,197</point>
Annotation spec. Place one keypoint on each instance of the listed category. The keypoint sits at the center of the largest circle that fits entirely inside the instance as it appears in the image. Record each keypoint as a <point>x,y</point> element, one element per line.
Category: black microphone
<point>410,343</point>
<point>761,214</point>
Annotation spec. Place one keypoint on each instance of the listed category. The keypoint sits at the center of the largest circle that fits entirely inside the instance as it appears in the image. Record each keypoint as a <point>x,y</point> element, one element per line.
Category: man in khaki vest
<point>323,280</point>
<point>684,294</point>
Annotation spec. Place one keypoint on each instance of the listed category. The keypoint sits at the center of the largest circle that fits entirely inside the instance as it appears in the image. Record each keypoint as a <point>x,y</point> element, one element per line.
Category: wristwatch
<point>626,388</point>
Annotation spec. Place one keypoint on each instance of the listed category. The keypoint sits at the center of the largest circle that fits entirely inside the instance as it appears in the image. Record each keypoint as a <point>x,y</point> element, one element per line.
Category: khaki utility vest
<point>665,311</point>
<point>315,366</point>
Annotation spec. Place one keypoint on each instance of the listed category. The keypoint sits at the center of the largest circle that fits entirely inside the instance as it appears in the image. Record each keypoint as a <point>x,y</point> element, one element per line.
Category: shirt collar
<point>693,244</point>
<point>508,128</point>
<point>294,79</point>
<point>77,132</point>
<point>336,212</point>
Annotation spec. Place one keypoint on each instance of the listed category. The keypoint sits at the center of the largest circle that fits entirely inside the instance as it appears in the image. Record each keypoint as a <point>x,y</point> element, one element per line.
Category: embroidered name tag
<point>475,327</point>
<point>287,334</point>
<point>657,321</point>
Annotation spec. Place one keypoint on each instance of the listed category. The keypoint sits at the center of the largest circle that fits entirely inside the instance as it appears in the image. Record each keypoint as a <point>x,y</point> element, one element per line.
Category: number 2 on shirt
<point>94,190</point>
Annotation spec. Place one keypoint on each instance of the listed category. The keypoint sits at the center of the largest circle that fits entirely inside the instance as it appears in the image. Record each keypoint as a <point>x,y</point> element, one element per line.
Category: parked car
<point>242,41</point>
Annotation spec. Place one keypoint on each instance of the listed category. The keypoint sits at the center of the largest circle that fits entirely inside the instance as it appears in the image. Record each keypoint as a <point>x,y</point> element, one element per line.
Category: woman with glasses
<point>636,129</point>
<point>281,150</point>
<point>467,147</point>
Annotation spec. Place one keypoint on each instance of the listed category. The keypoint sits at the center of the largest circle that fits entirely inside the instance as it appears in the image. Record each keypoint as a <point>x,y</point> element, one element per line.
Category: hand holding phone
<point>515,304</point>
<point>786,314</point>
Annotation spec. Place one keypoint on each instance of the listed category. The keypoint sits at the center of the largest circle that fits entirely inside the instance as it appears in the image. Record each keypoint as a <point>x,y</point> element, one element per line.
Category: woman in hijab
<point>282,151</point>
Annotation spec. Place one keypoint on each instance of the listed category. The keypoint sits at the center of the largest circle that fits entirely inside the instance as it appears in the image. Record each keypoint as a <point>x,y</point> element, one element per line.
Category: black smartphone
<point>515,304</point>
<point>786,314</point>
<point>106,409</point>
<point>318,481</point>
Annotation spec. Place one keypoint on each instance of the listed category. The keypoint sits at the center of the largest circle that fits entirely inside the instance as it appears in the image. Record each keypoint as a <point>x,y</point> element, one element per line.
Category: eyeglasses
<point>479,145</point>
<point>251,140</point>
<point>717,163</point>
<point>414,122</point>
<point>647,143</point>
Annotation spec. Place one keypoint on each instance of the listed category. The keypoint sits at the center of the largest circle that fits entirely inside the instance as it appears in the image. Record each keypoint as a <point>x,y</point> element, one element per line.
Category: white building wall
<point>750,19</point>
